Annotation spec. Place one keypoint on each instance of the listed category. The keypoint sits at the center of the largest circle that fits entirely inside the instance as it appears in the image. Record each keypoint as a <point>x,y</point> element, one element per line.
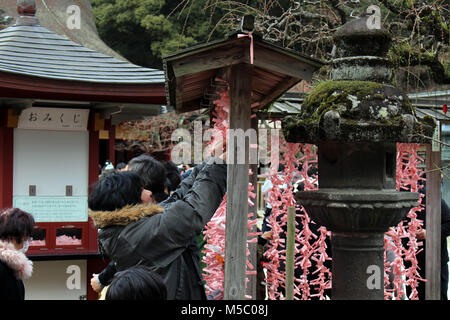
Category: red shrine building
<point>59,105</point>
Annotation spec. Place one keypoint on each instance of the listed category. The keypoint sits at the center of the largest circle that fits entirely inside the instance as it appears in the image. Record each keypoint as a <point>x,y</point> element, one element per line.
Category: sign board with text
<point>54,209</point>
<point>54,119</point>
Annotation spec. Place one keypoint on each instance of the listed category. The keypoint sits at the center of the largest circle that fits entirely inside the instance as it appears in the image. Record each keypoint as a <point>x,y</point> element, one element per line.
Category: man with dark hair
<point>121,166</point>
<point>152,172</point>
<point>173,177</point>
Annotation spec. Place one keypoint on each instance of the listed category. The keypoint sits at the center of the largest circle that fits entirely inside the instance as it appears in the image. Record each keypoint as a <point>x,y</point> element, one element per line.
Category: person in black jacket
<point>134,232</point>
<point>15,230</point>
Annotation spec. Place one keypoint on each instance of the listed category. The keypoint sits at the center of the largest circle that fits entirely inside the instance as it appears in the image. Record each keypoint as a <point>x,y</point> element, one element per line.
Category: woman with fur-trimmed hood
<point>15,230</point>
<point>134,230</point>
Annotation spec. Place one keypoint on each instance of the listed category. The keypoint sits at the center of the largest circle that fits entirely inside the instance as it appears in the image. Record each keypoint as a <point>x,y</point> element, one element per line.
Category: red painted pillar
<point>94,266</point>
<point>6,160</point>
<point>93,149</point>
<point>93,174</point>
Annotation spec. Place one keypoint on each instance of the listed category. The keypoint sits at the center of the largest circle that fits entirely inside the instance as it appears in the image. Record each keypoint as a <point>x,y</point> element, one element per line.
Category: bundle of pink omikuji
<point>409,174</point>
<point>308,246</point>
<point>60,240</point>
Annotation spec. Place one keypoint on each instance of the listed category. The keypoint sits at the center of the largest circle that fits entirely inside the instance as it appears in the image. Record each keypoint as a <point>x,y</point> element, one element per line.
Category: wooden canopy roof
<point>190,72</point>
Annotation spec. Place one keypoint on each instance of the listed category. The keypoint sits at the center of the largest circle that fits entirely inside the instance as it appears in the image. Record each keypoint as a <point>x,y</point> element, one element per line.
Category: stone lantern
<point>355,119</point>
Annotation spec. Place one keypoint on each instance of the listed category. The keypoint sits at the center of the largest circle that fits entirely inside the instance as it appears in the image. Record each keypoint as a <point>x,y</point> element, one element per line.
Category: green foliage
<point>145,30</point>
<point>4,20</point>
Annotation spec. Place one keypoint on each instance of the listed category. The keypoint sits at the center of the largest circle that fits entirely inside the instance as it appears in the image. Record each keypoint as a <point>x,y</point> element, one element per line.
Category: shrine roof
<point>33,50</point>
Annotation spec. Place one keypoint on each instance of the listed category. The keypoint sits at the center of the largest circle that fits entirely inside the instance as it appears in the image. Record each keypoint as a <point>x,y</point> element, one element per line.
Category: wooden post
<point>240,81</point>
<point>433,225</point>
<point>252,247</point>
<point>93,172</point>
<point>290,253</point>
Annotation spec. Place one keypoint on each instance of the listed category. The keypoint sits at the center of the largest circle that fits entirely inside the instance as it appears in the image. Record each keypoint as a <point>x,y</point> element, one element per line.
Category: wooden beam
<point>316,63</point>
<point>240,81</point>
<point>179,94</point>
<point>13,118</point>
<point>257,96</point>
<point>99,122</point>
<point>433,225</point>
<point>214,58</point>
<point>284,64</point>
<point>29,87</point>
<point>194,94</point>
<point>198,49</point>
<point>279,90</point>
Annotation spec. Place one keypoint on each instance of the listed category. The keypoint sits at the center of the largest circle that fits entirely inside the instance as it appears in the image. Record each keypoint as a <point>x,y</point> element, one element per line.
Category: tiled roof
<point>35,51</point>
